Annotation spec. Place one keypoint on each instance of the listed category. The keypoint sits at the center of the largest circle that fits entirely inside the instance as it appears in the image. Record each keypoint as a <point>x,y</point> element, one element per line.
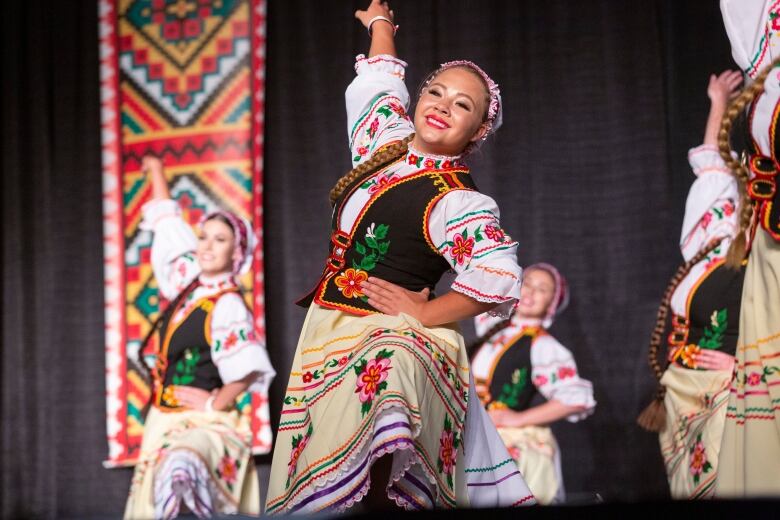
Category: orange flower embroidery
<point>349,282</point>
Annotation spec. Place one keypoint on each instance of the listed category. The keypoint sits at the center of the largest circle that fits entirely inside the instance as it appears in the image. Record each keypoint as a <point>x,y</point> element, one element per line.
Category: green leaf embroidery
<point>381,231</point>
<point>374,249</point>
<point>713,335</point>
<point>477,234</point>
<point>510,392</point>
<point>360,248</point>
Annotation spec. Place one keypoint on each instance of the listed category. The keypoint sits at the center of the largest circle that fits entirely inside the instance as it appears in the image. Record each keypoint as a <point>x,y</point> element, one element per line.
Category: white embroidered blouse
<point>553,369</point>
<point>710,213</point>
<point>464,225</point>
<point>753,28</point>
<point>234,348</point>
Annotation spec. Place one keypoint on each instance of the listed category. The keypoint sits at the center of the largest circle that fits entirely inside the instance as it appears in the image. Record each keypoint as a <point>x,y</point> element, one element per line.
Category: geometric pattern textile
<point>183,80</point>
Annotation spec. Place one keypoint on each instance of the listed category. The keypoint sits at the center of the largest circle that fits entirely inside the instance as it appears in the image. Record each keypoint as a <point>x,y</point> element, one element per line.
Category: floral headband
<point>242,230</point>
<point>494,113</point>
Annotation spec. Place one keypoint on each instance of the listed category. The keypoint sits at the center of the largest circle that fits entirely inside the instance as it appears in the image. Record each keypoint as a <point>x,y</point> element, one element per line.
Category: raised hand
<point>723,87</point>
<point>375,8</point>
<point>392,299</point>
<point>153,167</point>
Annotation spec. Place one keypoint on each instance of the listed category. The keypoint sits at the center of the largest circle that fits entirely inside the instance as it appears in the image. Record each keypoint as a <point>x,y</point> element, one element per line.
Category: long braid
<point>472,347</point>
<point>653,417</point>
<point>161,317</point>
<point>382,157</point>
<point>738,247</point>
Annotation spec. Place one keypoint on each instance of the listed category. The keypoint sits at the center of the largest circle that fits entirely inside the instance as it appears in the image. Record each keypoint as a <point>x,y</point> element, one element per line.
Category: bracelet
<point>209,406</point>
<point>377,18</point>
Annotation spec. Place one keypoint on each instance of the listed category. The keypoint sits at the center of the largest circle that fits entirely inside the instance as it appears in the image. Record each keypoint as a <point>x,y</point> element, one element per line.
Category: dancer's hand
<point>151,165</point>
<point>506,418</point>
<point>723,87</point>
<point>375,8</point>
<point>191,397</point>
<point>714,360</point>
<point>392,299</point>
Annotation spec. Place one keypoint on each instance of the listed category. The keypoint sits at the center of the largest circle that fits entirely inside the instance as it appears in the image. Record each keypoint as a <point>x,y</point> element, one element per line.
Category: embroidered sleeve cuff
<point>243,361</point>
<point>380,63</point>
<point>491,284</point>
<point>578,393</point>
<point>706,158</point>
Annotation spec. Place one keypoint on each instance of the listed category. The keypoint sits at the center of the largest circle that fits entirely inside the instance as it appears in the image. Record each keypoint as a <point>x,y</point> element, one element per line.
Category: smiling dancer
<point>379,404</point>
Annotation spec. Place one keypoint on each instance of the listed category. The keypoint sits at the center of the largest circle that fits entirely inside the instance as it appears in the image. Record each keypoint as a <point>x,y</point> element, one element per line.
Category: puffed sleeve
<point>710,210</point>
<point>173,246</point>
<point>235,350</point>
<point>377,101</point>
<point>464,226</point>
<point>750,28</point>
<point>554,373</point>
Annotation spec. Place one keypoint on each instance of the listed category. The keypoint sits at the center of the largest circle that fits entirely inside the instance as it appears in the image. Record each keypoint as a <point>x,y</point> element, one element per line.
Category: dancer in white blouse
<point>377,403</point>
<point>705,303</point>
<point>518,358</point>
<point>196,452</point>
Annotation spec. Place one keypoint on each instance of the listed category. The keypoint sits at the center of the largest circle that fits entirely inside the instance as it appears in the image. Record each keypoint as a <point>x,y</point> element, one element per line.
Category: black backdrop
<point>602,100</point>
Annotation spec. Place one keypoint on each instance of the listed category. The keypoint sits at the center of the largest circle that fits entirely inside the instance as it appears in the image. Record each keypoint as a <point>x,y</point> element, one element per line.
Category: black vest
<point>184,358</point>
<point>509,383</point>
<point>713,315</point>
<point>389,240</point>
<point>762,188</point>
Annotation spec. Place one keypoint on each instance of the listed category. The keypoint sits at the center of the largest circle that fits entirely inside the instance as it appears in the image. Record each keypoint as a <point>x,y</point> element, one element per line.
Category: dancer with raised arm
<point>704,297</point>
<point>379,405</point>
<point>196,449</point>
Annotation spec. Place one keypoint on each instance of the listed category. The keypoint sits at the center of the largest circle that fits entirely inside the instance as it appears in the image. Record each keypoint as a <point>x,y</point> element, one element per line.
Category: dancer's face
<point>216,244</point>
<point>450,113</point>
<point>536,294</point>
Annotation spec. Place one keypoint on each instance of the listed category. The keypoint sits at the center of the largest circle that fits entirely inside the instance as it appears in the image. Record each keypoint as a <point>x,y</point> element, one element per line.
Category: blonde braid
<point>382,157</point>
<point>738,247</point>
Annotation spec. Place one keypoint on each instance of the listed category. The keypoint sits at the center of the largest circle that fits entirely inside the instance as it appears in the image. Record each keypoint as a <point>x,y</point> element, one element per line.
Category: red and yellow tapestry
<point>184,80</point>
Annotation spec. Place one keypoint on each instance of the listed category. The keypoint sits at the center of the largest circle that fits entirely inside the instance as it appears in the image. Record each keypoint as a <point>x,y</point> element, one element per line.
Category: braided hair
<point>738,247</point>
<point>381,157</point>
<point>653,418</point>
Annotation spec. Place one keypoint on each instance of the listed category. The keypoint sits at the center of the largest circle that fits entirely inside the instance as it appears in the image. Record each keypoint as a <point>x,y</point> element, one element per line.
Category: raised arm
<point>382,30</point>
<point>710,207</point>
<point>173,260</point>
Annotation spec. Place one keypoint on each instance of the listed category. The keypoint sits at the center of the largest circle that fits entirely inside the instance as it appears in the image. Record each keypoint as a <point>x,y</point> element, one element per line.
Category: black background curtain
<point>602,100</point>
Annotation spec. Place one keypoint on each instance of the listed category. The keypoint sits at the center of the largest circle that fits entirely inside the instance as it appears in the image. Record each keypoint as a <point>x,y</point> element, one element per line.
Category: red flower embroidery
<point>362,150</point>
<point>728,209</point>
<point>753,379</point>
<point>446,164</point>
<point>775,20</point>
<point>705,220</point>
<point>228,469</point>
<point>429,163</point>
<point>462,249</point>
<point>494,233</point>
<point>349,282</point>
<point>397,108</point>
<point>540,380</point>
<point>514,452</point>
<point>374,127</point>
<point>231,340</point>
<point>307,377</point>
<point>566,372</point>
<point>412,159</point>
<point>296,453</point>
<point>381,183</point>
<point>343,361</point>
<point>698,459</point>
<point>373,375</point>
<point>447,451</point>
